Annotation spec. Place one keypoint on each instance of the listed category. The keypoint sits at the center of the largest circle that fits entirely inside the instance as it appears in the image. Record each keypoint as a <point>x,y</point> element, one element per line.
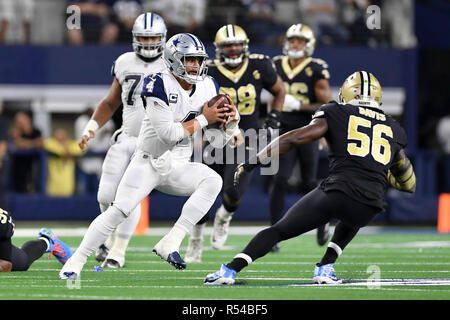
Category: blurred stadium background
<point>55,76</point>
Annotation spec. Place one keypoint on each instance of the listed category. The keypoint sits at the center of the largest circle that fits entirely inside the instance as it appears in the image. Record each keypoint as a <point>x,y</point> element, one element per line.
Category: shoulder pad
<point>320,62</point>
<point>257,56</point>
<point>154,87</point>
<point>277,58</point>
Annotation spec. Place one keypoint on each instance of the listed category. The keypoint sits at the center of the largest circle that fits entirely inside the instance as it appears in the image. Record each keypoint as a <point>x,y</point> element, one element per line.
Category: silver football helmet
<point>149,25</point>
<point>178,48</point>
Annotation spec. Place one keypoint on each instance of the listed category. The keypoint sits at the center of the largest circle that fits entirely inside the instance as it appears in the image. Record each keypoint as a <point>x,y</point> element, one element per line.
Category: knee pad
<point>106,193</point>
<point>213,183</point>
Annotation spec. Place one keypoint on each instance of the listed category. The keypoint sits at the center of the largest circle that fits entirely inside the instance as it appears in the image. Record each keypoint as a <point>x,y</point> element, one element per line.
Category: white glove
<point>291,103</point>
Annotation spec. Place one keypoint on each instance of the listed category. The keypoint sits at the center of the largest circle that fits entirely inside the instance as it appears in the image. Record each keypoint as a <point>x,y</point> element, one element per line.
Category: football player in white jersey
<point>129,71</point>
<point>176,104</point>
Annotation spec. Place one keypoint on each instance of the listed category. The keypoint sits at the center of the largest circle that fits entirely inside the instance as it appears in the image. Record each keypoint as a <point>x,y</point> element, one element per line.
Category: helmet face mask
<point>303,32</point>
<point>231,44</point>
<point>177,53</point>
<point>149,25</point>
<point>361,89</point>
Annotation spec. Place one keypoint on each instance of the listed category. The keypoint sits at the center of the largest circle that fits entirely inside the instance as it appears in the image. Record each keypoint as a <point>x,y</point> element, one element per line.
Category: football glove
<point>273,122</point>
<point>242,170</point>
<point>291,103</point>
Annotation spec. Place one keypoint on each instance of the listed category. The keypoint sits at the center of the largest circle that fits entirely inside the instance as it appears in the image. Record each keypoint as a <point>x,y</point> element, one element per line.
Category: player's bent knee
<point>105,194</point>
<point>125,207</point>
<point>213,183</point>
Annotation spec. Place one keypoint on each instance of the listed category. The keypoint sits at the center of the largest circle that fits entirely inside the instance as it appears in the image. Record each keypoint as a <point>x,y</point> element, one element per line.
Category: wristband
<point>92,125</point>
<point>202,121</point>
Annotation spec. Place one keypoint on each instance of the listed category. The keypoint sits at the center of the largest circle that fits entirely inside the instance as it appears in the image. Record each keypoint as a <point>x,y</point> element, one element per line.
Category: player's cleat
<point>101,253</point>
<point>325,275</point>
<point>194,250</point>
<point>220,230</point>
<point>111,263</point>
<point>59,249</point>
<point>68,276</point>
<point>323,233</point>
<point>224,276</point>
<point>173,258</point>
<point>71,270</point>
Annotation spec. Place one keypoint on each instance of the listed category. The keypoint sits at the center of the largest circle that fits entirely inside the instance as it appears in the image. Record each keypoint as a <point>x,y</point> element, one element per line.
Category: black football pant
<point>308,156</point>
<point>311,211</point>
<point>22,258</point>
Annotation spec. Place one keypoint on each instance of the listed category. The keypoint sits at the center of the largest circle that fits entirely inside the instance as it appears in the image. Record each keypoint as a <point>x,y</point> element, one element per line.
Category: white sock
<point>174,238</point>
<point>126,229</point>
<point>98,231</point>
<point>223,213</point>
<point>119,249</point>
<point>197,231</point>
<point>109,243</point>
<point>119,239</point>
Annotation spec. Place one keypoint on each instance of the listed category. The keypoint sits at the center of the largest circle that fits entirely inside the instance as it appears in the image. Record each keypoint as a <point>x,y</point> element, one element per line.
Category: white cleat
<point>325,275</point>
<point>70,271</point>
<point>194,250</point>
<point>220,231</point>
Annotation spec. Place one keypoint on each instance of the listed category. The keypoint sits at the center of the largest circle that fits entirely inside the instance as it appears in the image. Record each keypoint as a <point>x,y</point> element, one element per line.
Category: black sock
<point>237,264</point>
<point>329,257</point>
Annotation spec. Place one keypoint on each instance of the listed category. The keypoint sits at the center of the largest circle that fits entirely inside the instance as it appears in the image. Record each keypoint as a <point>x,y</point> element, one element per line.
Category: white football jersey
<point>167,106</point>
<point>130,71</point>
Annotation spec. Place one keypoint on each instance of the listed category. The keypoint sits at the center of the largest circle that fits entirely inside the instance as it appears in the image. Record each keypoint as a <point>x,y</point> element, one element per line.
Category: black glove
<point>272,122</point>
<point>242,170</point>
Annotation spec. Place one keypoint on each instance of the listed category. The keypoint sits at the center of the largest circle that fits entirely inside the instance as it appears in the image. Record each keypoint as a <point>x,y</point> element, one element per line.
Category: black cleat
<point>101,253</point>
<point>175,260</point>
<point>323,234</point>
<point>111,263</point>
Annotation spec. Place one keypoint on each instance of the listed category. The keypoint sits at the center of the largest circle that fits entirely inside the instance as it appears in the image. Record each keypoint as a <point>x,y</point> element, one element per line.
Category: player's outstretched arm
<point>401,173</point>
<point>104,111</point>
<point>283,144</point>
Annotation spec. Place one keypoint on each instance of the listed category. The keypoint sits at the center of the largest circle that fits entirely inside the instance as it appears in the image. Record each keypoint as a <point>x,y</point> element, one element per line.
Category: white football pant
<point>185,178</point>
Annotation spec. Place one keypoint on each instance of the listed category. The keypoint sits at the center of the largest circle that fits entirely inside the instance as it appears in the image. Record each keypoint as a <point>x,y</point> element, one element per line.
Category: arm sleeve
<point>159,112</point>
<point>161,118</point>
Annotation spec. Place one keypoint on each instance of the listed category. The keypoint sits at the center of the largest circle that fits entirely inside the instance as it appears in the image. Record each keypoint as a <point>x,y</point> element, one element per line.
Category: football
<point>211,102</point>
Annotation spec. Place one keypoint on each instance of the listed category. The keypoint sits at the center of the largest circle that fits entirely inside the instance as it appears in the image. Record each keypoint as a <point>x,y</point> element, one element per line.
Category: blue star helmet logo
<point>176,42</point>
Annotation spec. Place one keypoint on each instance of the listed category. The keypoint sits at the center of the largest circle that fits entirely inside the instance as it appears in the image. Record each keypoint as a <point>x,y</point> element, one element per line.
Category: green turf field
<point>387,265</point>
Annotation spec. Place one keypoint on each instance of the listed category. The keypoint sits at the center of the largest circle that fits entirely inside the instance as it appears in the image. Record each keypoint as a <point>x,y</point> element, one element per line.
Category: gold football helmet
<point>227,35</point>
<point>361,89</point>
<point>301,31</point>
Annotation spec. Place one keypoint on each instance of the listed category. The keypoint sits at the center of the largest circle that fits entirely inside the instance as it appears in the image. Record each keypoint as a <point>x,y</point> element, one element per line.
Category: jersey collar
<point>291,73</point>
<point>233,76</point>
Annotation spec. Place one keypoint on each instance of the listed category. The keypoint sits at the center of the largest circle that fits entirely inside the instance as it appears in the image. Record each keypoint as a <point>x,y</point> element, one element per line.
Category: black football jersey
<point>6,232</point>
<point>362,143</point>
<point>245,86</point>
<point>300,82</point>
